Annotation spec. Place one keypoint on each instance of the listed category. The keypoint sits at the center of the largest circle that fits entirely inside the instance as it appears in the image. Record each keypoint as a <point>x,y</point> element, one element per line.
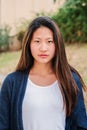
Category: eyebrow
<point>46,38</point>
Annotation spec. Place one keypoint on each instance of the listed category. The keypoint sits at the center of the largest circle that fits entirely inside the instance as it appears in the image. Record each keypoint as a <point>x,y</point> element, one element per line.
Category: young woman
<point>45,92</point>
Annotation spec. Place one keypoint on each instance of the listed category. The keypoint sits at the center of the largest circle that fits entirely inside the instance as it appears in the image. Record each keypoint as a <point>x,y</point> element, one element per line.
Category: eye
<point>37,41</point>
<point>50,41</point>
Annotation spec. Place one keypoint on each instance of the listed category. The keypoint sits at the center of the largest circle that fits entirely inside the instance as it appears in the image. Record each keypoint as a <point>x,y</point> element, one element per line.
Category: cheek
<point>32,47</point>
<point>53,50</point>
<point>33,50</point>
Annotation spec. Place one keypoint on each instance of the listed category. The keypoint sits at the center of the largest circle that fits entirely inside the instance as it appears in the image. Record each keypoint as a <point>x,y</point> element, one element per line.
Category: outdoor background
<point>71,17</point>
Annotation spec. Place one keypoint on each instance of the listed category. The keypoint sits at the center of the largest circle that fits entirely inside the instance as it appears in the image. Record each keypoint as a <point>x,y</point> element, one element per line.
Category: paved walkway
<point>1,78</point>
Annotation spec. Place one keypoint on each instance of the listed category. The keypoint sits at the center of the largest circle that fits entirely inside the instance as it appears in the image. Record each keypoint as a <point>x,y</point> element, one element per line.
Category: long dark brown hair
<point>62,69</point>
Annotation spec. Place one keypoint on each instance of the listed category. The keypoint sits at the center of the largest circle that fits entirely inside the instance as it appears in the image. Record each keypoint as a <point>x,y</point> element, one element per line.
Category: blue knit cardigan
<point>11,98</point>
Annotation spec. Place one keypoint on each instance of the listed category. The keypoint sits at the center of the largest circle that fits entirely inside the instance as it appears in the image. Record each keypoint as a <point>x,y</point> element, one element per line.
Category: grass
<point>8,62</point>
<point>76,55</point>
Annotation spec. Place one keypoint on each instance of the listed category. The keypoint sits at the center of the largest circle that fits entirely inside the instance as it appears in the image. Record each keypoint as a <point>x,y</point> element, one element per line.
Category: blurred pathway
<point>1,78</point>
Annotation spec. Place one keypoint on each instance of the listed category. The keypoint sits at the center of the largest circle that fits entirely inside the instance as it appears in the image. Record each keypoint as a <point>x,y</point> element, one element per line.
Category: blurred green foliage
<point>72,20</point>
<point>21,28</point>
<point>4,37</point>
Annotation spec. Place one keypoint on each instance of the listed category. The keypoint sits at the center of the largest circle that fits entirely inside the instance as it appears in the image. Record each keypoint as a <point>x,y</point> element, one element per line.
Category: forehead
<point>43,31</point>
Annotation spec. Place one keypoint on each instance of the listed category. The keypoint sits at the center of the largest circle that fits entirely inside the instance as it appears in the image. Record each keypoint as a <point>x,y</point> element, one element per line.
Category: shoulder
<point>13,79</point>
<point>16,75</point>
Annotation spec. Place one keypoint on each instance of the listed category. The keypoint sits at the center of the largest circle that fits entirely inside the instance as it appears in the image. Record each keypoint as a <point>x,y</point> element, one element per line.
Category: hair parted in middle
<point>62,69</point>
<point>27,59</point>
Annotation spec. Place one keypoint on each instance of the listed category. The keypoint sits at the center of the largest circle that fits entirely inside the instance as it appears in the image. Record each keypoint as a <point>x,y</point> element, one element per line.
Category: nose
<point>43,47</point>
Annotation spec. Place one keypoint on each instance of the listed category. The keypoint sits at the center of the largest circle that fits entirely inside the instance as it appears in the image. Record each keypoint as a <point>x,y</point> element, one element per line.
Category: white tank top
<point>43,107</point>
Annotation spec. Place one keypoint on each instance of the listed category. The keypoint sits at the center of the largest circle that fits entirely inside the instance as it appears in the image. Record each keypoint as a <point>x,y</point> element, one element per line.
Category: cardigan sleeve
<point>79,115</point>
<point>5,105</point>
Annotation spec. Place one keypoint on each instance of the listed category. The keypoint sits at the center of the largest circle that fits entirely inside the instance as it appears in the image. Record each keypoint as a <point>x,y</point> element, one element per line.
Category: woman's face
<point>42,45</point>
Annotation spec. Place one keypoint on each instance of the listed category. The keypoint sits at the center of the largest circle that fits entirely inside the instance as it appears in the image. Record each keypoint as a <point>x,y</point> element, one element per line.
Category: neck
<point>41,69</point>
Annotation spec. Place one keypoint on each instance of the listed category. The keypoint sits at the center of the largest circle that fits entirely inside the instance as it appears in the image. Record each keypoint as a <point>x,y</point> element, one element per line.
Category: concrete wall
<point>13,11</point>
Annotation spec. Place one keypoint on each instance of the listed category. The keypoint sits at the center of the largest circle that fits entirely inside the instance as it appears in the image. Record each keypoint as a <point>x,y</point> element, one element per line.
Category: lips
<point>43,55</point>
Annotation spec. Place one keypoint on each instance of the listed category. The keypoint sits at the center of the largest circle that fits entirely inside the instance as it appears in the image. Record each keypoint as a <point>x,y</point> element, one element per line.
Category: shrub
<point>4,37</point>
<point>21,28</point>
<point>72,18</point>
<point>20,35</point>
